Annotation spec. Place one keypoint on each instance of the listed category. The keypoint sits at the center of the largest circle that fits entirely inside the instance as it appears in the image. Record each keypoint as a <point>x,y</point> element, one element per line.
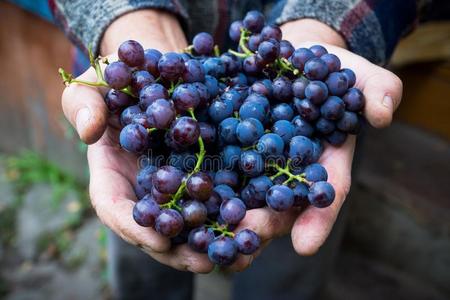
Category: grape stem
<point>222,229</point>
<point>243,38</point>
<point>216,51</point>
<point>286,171</point>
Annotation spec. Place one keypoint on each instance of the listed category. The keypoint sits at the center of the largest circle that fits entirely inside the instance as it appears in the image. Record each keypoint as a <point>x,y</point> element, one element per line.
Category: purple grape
<point>325,126</point>
<point>251,163</point>
<point>254,194</point>
<point>315,172</point>
<point>224,191</point>
<point>169,223</point>
<point>299,58</point>
<point>349,122</point>
<point>232,210</point>
<point>161,113</point>
<point>151,58</point>
<point>213,204</point>
<point>203,43</point>
<point>185,131</point>
<point>230,178</point>
<point>139,79</point>
<point>332,61</point>
<point>185,97</point>
<point>318,50</point>
<point>223,251</point>
<point>271,32</point>
<point>263,87</point>
<point>354,100</point>
<point>194,213</point>
<point>146,211</point>
<point>247,241</point>
<point>117,75</point>
<point>117,100</point>
<point>235,30</point>
<point>333,108</point>
<point>337,83</point>
<point>299,87</point>
<point>251,65</point>
<point>317,92</point>
<point>200,238</point>
<point>167,179</point>
<point>207,132</point>
<point>193,71</point>
<point>254,41</point>
<point>159,197</point>
<point>306,109</point>
<point>280,198</point>
<point>286,49</point>
<point>150,93</point>
<point>199,186</point>
<point>134,138</point>
<point>351,77</point>
<point>282,89</point>
<point>269,51</point>
<point>301,191</point>
<point>254,21</point>
<point>316,69</point>
<point>171,66</point>
<point>131,53</point>
<point>302,127</point>
<point>336,138</point>
<point>144,178</point>
<point>321,194</point>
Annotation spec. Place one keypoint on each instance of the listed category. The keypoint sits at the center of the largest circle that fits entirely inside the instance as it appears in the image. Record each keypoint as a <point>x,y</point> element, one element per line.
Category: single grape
<point>349,123</point>
<point>230,156</point>
<point>337,83</point>
<point>151,58</point>
<point>249,131</point>
<point>306,109</point>
<point>214,66</point>
<point>150,93</point>
<point>269,50</point>
<point>213,204</point>
<point>286,49</point>
<point>302,127</point>
<point>271,32</point>
<point>134,138</point>
<point>332,61</point>
<point>223,251</point>
<point>336,138</point>
<point>318,50</point>
<point>317,149</point>
<point>254,21</point>
<point>282,89</point>
<point>141,119</point>
<point>254,41</point>
<point>351,77</point>
<point>325,126</point>
<point>282,111</point>
<point>194,213</point>
<point>300,149</point>
<point>167,179</point>
<point>299,87</point>
<point>260,99</point>
<point>159,197</point>
<point>203,43</point>
<point>247,241</point>
<point>144,178</point>
<point>333,108</point>
<point>185,131</point>
<point>231,63</point>
<point>199,186</point>
<point>252,109</point>
<point>315,172</point>
<point>139,79</point>
<point>207,132</point>
<point>227,131</point>
<point>301,192</point>
<point>220,110</point>
<point>284,129</point>
<point>213,85</point>
<point>171,66</point>
<point>232,210</point>
<point>270,144</point>
<point>254,194</point>
<point>193,72</point>
<point>200,238</point>
<point>317,92</point>
<point>116,100</point>
<point>161,113</point>
<point>263,87</point>
<point>131,53</point>
<point>169,223</point>
<point>117,75</point>
<point>316,69</point>
<point>234,97</point>
<point>299,58</point>
<point>235,30</point>
<point>251,65</point>
<point>321,194</point>
<point>280,197</point>
<point>354,100</point>
<point>251,163</point>
<point>230,178</point>
<point>185,97</point>
<point>146,211</point>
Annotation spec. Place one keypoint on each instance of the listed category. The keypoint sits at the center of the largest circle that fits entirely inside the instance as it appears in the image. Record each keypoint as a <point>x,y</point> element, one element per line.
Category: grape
<point>263,87</point>
<point>299,58</point>
<point>230,156</point>
<point>316,69</point>
<point>251,65</point>
<point>317,92</point>
<point>144,178</point>
<point>224,191</point>
<point>269,51</point>
<point>247,241</point>
<point>234,97</point>
<point>159,197</point>
<point>185,97</point>
<point>117,75</point>
<point>254,41</point>
<point>260,99</point>
<point>306,109</point>
<point>141,119</point>
<point>318,50</point>
<point>161,113</point>
<point>139,79</point>
<point>249,131</point>
<point>220,110</point>
<point>227,130</point>
<point>199,186</point>
<point>223,251</point>
<point>333,108</point>
<point>286,49</point>
<point>349,122</point>
<point>200,238</point>
<point>230,178</point>
<point>325,126</point>
<point>146,211</point>
<point>169,223</point>
<point>203,43</point>
<point>131,53</point>
<point>171,66</point>
<point>235,30</point>
<point>239,79</point>
<point>271,32</point>
<point>151,58</point>
<point>321,194</point>
<point>336,138</point>
<point>254,194</point>
<point>252,109</point>
<point>302,127</point>
<point>332,61</point>
<point>193,71</point>
<point>203,94</point>
<point>351,77</point>
<point>134,138</point>
<point>167,179</point>
<point>301,191</point>
<point>317,150</point>
<point>337,83</point>
<point>300,149</point>
<point>315,172</point>
<point>254,21</point>
<point>280,197</point>
<point>282,89</point>
<point>270,144</point>
<point>354,100</point>
<point>213,204</point>
<point>185,131</point>
<point>299,87</point>
<point>214,66</point>
<point>207,132</point>
<point>150,93</point>
<point>251,163</point>
<point>117,100</point>
<point>284,129</point>
<point>194,213</point>
<point>213,86</point>
<point>232,210</point>
<point>282,111</point>
<point>231,63</point>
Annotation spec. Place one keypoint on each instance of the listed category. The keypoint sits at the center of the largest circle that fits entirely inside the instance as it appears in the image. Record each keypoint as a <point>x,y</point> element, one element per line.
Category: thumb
<point>85,109</point>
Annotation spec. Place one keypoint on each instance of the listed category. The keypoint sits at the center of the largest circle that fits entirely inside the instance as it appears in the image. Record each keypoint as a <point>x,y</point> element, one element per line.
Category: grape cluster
<point>237,131</point>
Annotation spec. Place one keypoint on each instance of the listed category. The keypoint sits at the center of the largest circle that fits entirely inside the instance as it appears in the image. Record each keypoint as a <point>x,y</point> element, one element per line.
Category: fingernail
<point>82,119</point>
<point>387,102</point>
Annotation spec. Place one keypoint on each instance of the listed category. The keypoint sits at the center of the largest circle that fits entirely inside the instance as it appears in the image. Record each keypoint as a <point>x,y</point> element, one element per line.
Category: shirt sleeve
<point>84,21</point>
<point>371,28</point>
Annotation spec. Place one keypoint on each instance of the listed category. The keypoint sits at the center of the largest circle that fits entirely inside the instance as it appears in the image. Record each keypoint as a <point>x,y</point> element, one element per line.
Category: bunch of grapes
<point>237,131</point>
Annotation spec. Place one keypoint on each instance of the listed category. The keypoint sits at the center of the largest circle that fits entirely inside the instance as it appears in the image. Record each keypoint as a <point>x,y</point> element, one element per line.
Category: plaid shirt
<point>371,28</point>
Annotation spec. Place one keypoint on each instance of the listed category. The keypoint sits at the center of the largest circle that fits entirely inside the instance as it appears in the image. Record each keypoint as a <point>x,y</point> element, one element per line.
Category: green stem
<point>222,229</point>
<point>216,51</point>
<point>242,40</point>
<point>286,171</point>
<point>150,130</point>
<point>238,54</point>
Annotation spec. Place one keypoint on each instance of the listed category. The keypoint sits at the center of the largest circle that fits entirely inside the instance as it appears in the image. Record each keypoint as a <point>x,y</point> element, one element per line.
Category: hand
<point>112,170</point>
<point>382,90</point>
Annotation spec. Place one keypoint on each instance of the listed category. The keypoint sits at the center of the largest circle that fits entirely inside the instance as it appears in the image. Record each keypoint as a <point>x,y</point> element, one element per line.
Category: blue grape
<point>336,138</point>
<point>316,69</point>
<point>286,49</point>
<point>231,156</point>
<point>337,84</point>
<point>193,72</point>
<point>213,85</point>
<point>224,191</point>
<point>306,109</point>
<point>269,50</point>
<point>301,192</point>
<point>318,50</point>
<point>351,77</point>
<point>134,138</point>
<point>302,127</point>
<point>214,66</point>
<point>284,129</point>
<point>354,100</point>
<point>321,194</point>
<point>230,178</point>
<point>220,110</point>
<point>247,241</point>
<point>333,108</point>
<point>317,150</point>
<point>249,131</point>
<point>325,126</point>
<point>254,21</point>
<point>234,97</point>
<point>282,89</point>
<point>280,198</point>
<point>254,194</point>
<point>199,239</point>
<point>282,111</point>
<point>349,122</point>
<point>223,251</point>
<point>146,211</point>
<point>299,58</point>
<point>252,109</point>
<point>299,87</point>
<point>251,163</point>
<point>300,149</point>
<point>317,92</point>
<point>315,172</point>
<point>203,43</point>
<point>232,210</point>
<point>332,61</point>
<point>270,144</point>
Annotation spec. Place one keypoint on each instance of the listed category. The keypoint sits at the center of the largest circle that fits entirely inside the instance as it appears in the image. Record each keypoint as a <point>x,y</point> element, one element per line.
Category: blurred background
<point>396,243</point>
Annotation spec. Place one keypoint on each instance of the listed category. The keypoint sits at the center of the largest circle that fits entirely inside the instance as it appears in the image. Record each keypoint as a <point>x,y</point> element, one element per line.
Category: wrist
<point>313,31</point>
<point>152,28</point>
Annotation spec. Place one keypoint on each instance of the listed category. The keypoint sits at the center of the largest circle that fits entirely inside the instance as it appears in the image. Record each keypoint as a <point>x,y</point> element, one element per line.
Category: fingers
<point>313,225</point>
<point>85,109</point>
<point>184,259</point>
